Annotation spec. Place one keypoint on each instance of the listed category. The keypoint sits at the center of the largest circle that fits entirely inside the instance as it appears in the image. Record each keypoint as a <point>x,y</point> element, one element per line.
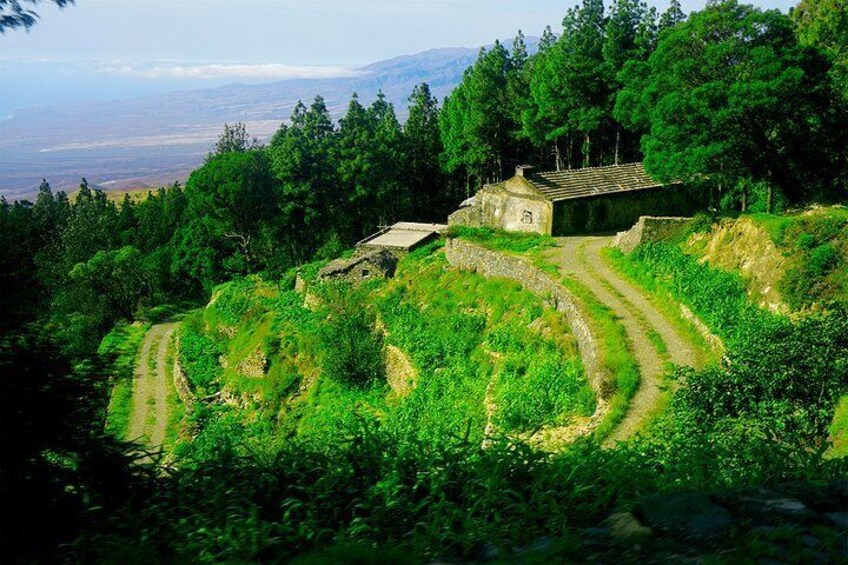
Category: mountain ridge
<point>156,139</point>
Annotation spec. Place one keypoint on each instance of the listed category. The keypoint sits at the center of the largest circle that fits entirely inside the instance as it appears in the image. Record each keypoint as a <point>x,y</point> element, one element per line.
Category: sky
<point>103,49</point>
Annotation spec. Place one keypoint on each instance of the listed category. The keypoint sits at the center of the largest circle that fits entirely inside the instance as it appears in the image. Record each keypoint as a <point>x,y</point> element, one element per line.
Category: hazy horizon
<point>112,49</point>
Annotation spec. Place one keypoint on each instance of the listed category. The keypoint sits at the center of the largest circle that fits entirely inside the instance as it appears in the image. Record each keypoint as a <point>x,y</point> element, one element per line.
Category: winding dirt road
<point>580,258</point>
<point>149,420</point>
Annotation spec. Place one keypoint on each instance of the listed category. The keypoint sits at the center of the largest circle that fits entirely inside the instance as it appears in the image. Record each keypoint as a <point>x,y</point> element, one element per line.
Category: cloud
<point>213,71</point>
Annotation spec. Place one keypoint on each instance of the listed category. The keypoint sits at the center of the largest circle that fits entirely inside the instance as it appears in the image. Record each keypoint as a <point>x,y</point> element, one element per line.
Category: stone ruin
<point>367,264</point>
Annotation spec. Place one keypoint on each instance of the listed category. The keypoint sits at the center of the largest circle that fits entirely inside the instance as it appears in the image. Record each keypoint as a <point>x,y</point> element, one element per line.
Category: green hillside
<point>454,352</point>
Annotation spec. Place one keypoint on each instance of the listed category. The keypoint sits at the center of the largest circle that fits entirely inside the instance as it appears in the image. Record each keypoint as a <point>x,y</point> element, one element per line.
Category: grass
<point>459,329</point>
<point>616,357</point>
<point>121,347</point>
<point>176,409</point>
<point>660,297</point>
<point>526,244</point>
<point>839,430</point>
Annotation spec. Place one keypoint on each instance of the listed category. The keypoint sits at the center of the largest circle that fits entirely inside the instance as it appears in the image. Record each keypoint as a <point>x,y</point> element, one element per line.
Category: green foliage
<point>817,244</point>
<point>120,349</point>
<point>823,24</point>
<point>199,355</point>
<point>351,347</point>
<point>719,298</point>
<point>719,110</point>
<point>784,382</point>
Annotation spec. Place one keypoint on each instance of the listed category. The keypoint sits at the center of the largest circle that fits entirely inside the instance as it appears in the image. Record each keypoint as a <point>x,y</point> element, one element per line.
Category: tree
<point>234,195</point>
<point>569,96</point>
<point>672,16</point>
<point>235,139</point>
<point>14,14</point>
<point>370,146</point>
<point>302,157</point>
<point>824,24</point>
<point>731,98</point>
<point>478,128</point>
<point>429,196</point>
<point>629,35</point>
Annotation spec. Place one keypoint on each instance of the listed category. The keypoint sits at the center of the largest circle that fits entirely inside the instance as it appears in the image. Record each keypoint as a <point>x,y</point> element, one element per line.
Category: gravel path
<point>581,258</point>
<point>149,419</point>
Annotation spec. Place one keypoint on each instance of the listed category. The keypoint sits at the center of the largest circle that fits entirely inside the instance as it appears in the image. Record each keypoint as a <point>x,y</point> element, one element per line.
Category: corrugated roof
<point>592,181</point>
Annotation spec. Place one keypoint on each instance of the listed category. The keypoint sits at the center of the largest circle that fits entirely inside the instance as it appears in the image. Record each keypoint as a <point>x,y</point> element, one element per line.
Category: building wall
<point>513,205</point>
<point>620,211</point>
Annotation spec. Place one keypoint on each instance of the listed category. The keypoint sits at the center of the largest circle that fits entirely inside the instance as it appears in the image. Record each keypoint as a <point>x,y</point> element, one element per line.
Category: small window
<point>527,217</point>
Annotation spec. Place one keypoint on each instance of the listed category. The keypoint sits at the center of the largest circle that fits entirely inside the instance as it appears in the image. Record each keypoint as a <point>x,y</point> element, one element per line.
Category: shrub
<point>351,348</point>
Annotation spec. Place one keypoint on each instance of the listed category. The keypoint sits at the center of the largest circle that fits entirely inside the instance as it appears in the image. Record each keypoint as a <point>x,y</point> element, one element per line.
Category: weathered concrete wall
<point>465,255</point>
<point>619,211</point>
<point>648,228</point>
<point>514,205</point>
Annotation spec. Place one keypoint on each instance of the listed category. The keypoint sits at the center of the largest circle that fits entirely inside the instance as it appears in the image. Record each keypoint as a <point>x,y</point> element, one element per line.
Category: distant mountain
<point>157,139</point>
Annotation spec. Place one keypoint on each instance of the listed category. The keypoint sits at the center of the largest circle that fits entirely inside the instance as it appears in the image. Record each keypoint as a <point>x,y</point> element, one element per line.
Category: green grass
<point>121,348</point>
<point>662,299</point>
<point>839,430</point>
<point>459,329</point>
<point>176,409</point>
<point>616,357</point>
<point>509,242</point>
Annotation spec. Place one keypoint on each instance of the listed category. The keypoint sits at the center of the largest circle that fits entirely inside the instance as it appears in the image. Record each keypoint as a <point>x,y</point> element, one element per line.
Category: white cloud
<point>212,71</point>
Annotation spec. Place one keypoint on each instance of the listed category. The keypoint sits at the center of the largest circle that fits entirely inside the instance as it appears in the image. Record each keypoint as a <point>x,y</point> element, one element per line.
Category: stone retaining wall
<point>466,255</point>
<point>648,228</point>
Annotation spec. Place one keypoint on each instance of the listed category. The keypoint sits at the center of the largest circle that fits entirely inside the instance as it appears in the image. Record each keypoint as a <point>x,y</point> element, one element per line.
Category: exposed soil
<point>150,387</point>
<point>581,258</point>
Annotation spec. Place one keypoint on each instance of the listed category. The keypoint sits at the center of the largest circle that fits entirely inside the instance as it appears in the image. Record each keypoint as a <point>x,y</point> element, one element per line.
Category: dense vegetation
<point>320,453</point>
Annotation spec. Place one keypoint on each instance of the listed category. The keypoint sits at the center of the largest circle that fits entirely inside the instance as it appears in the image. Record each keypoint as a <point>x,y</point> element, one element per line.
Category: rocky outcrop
<point>743,246</point>
<point>647,229</point>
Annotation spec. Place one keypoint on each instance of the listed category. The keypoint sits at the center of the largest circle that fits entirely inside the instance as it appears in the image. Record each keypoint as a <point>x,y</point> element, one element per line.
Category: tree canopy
<point>15,14</point>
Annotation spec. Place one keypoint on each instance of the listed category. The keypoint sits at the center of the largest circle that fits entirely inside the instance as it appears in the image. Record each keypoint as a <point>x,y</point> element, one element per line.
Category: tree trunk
<point>744,198</point>
<point>770,199</point>
<point>617,142</point>
<point>587,149</point>
<point>558,152</point>
<point>570,150</point>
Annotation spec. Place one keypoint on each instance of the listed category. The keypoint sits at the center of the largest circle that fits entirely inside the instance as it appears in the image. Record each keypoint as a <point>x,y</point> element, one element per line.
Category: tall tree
<point>824,24</point>
<point>303,160</point>
<point>717,95</point>
<point>569,96</point>
<point>478,127</point>
<point>429,194</point>
<point>235,139</point>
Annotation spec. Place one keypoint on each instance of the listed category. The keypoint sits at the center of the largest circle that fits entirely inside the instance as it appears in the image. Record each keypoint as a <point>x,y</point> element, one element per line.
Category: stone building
<point>558,203</point>
<point>377,255</point>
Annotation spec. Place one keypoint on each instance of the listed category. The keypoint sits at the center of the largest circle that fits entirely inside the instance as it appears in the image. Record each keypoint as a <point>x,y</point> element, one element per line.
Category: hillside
<point>401,385</point>
<point>431,354</point>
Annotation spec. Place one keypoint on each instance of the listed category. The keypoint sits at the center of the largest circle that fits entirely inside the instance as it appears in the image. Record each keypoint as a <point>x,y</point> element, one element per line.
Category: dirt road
<point>149,419</point>
<point>581,258</point>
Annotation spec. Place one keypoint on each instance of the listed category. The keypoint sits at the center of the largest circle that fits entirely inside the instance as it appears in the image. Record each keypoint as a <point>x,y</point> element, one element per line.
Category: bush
<point>351,348</point>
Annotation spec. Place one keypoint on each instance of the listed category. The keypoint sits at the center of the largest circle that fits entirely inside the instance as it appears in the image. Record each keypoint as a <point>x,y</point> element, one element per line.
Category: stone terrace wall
<point>648,228</point>
<point>466,255</point>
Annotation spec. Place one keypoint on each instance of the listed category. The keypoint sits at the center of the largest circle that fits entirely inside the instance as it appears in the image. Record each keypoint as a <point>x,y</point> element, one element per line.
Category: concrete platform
<point>403,236</point>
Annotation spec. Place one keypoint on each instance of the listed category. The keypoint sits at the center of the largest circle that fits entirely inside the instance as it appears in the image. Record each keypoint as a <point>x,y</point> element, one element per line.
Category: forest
<point>748,105</point>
